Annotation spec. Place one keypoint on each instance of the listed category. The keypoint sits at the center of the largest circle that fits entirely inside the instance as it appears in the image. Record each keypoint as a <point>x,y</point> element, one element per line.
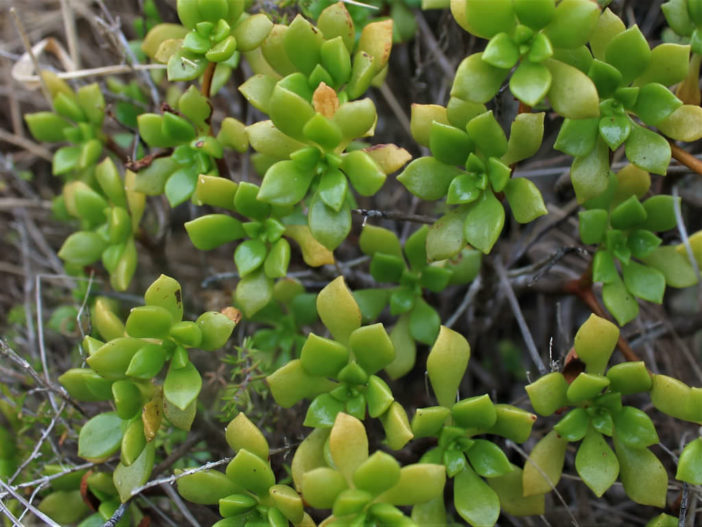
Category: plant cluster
<point>596,84</point>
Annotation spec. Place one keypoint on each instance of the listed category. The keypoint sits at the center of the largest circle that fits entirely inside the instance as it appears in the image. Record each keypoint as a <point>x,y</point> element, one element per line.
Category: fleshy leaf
<point>543,469</point>
<point>486,18</point>
<point>484,221</point>
<point>348,445</point>
<point>596,463</point>
<point>476,80</point>
<point>446,365</point>
<point>127,479</point>
<point>530,82</point>
<point>338,310</point>
<point>100,437</point>
<point>474,500</point>
<point>525,137</point>
<point>525,200</point>
<point>635,463</point>
<point>690,463</point>
<point>590,173</point>
<point>572,94</point>
<point>445,238</point>
<point>182,385</point>
<point>428,178</point>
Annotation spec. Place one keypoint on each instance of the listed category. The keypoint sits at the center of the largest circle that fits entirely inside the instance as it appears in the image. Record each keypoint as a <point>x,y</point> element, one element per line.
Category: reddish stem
<point>146,161</point>
<point>686,158</point>
<point>207,79</point>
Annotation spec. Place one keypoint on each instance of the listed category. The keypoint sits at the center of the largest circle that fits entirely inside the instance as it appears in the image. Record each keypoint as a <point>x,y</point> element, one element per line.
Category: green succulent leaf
<point>338,310</point>
<point>525,137</point>
<point>476,80</point>
<point>487,134</point>
<point>676,267</point>
<point>449,144</point>
<point>619,301</point>
<point>182,385</point>
<point>634,428</point>
<point>644,282</point>
<point>253,292</point>
<point>487,18</point>
<point>501,51</point>
<point>251,472</point>
<point>590,173</point>
<point>628,51</point>
<point>474,500</point>
<point>577,137</point>
<point>572,24</point>
<point>323,411</point>
<point>129,478</point>
<point>548,393</point>
<point>525,199</point>
<point>574,425</point>
<point>487,459</point>
<point>596,463</point>
<point>365,175</point>
<point>649,490</point>
<point>249,256</point>
<point>424,322</point>
<point>428,178</point>
<point>572,94</point>
<point>483,222</point>
<point>530,82</point>
<point>445,237</point>
<point>446,364</point>
<point>100,437</point>
<point>372,347</point>
<point>212,230</point>
<point>82,248</point>
<point>544,467</point>
<point>690,465</point>
<point>329,227</point>
<point>207,487</point>
<point>284,184</point>
<point>46,126</point>
<point>615,130</point>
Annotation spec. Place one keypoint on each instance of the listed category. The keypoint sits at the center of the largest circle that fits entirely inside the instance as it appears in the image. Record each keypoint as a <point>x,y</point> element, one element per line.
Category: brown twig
<point>113,147</point>
<point>145,162</point>
<point>207,79</point>
<point>28,48</point>
<point>69,25</point>
<point>686,158</point>
<point>29,146</point>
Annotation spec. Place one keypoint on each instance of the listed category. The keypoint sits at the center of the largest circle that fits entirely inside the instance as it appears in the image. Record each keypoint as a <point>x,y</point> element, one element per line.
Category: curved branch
<point>686,158</point>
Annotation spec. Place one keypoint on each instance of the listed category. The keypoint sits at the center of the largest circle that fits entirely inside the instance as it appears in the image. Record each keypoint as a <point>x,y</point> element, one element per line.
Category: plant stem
<point>207,79</point>
<point>686,158</point>
<point>394,215</point>
<point>146,161</point>
<point>206,90</point>
<point>683,505</point>
<point>116,149</point>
